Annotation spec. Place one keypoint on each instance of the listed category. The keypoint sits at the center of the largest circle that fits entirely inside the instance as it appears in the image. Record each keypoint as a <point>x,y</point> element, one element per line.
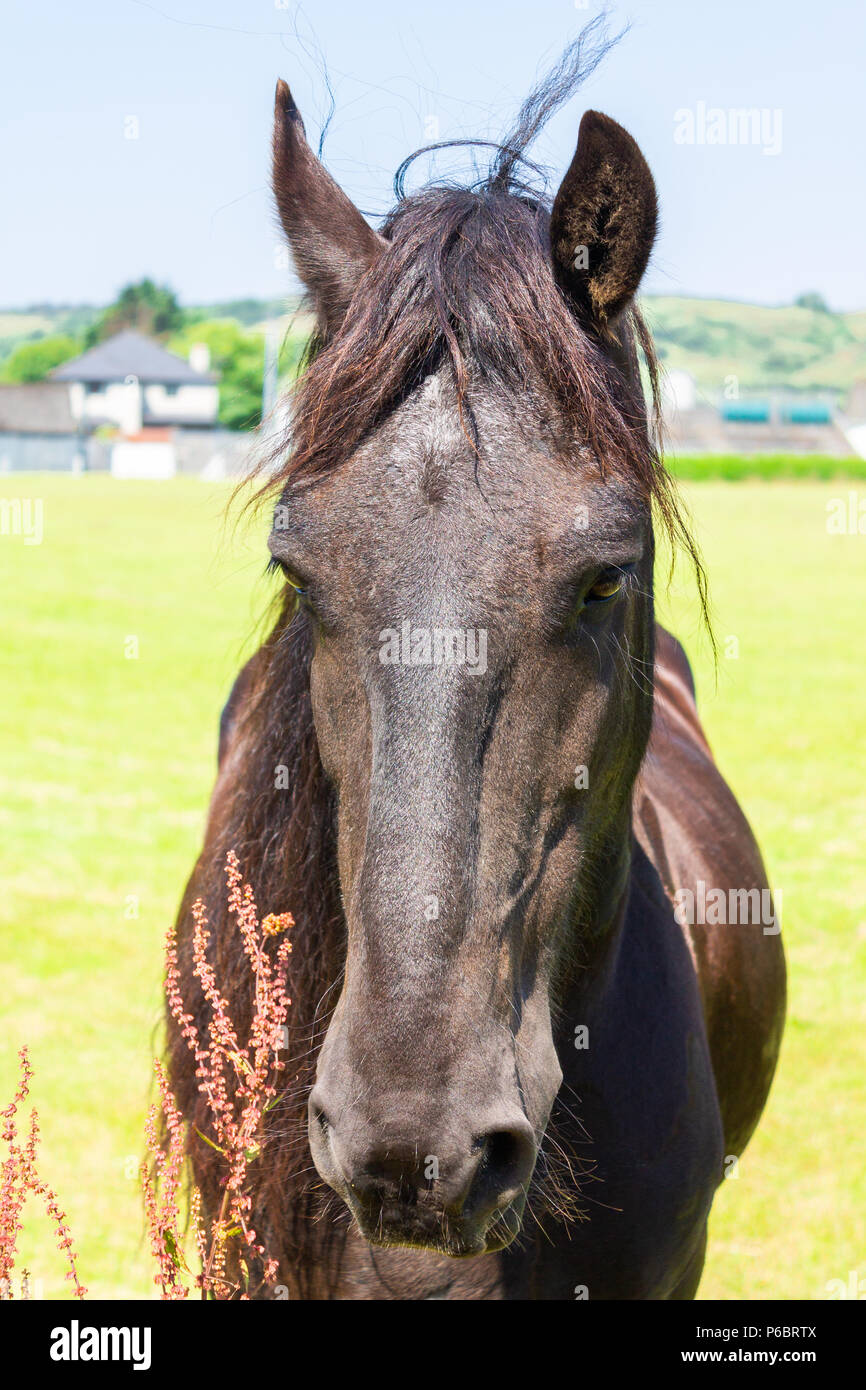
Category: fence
<point>55,453</point>
<point>209,453</point>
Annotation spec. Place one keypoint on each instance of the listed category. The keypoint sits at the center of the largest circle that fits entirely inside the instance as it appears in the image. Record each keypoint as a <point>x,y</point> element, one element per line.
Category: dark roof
<point>131,354</point>
<point>40,407</point>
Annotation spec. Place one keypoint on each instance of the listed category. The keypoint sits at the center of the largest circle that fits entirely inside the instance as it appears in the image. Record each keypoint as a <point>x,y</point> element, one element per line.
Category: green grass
<point>733,468</point>
<point>106,765</point>
<point>105,771</point>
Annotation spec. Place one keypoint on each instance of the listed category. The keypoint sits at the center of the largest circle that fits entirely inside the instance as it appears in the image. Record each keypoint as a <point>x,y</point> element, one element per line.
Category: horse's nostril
<point>320,1117</point>
<point>507,1161</point>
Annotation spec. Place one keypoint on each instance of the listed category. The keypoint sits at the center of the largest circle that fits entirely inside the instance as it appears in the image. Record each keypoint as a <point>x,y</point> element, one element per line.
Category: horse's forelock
<point>466,279</point>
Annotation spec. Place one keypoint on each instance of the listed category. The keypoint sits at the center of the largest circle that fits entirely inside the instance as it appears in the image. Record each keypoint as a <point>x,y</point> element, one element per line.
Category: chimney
<point>199,357</point>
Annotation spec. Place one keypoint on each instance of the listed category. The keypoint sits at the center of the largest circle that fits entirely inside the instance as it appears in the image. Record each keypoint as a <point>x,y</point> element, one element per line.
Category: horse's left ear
<point>604,221</point>
<point>331,243</point>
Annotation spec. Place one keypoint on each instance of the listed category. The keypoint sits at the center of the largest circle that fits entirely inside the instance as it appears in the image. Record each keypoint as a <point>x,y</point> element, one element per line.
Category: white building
<point>132,383</point>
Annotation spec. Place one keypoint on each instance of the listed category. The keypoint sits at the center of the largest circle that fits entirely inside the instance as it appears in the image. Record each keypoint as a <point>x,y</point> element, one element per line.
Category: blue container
<point>756,412</point>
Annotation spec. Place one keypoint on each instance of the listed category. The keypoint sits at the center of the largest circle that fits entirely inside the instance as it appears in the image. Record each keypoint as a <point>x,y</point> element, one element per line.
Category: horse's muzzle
<point>431,1194</point>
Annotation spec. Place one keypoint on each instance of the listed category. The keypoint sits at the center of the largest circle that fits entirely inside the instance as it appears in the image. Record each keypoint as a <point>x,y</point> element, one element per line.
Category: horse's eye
<point>607,586</point>
<point>293,581</point>
<point>289,575</point>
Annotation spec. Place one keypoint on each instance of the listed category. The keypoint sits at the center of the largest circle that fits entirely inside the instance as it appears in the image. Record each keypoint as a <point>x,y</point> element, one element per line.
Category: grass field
<point>731,468</point>
<point>106,761</point>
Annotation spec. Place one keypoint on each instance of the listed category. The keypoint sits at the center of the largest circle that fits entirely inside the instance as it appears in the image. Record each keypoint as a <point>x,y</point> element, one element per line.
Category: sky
<point>134,136</point>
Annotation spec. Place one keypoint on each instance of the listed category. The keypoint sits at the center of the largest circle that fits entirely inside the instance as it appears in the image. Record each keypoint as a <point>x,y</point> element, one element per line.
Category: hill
<point>803,348</point>
<point>18,326</point>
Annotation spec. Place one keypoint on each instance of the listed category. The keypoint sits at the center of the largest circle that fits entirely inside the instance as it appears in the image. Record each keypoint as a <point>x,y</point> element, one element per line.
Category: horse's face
<point>469,702</point>
<point>482,730</point>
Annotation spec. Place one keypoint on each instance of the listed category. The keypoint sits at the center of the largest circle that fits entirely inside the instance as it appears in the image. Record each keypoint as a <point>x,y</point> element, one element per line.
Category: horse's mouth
<point>415,1228</point>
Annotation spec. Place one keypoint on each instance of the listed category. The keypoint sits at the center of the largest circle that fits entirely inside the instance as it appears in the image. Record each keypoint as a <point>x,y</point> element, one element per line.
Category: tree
<point>145,307</point>
<point>34,360</point>
<point>812,300</point>
<point>238,357</point>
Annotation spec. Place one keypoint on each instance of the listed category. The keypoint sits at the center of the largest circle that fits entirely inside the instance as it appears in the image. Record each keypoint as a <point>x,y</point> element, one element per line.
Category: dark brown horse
<point>471,765</point>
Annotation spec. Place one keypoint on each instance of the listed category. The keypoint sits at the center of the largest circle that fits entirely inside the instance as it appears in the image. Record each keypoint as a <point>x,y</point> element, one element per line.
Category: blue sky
<point>187,201</point>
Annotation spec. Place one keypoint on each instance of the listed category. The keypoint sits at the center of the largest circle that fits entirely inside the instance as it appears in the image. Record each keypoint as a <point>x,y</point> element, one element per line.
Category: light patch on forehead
<point>438,411</point>
<point>431,388</point>
<point>438,437</point>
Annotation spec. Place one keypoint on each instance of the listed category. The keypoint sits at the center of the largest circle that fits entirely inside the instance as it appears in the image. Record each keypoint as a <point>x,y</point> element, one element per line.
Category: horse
<point>470,763</point>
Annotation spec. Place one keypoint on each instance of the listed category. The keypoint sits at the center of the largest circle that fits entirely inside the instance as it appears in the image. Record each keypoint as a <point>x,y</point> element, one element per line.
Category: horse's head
<point>466,517</point>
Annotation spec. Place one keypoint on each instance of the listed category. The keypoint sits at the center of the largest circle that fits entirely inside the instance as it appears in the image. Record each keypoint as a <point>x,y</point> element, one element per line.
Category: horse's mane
<point>466,284</point>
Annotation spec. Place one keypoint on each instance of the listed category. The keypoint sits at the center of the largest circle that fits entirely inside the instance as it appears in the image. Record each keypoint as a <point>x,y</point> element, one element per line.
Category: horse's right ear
<point>331,244</point>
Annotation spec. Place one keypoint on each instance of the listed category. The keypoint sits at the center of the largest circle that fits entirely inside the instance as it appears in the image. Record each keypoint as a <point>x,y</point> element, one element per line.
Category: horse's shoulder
<point>674,682</point>
<point>689,823</point>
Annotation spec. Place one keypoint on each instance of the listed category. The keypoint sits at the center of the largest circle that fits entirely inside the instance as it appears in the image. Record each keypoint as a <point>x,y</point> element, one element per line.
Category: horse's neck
<point>597,925</point>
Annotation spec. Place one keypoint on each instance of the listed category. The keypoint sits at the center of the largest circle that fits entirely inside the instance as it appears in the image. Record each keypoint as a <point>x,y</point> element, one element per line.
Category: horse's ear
<point>331,243</point>
<point>604,220</point>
